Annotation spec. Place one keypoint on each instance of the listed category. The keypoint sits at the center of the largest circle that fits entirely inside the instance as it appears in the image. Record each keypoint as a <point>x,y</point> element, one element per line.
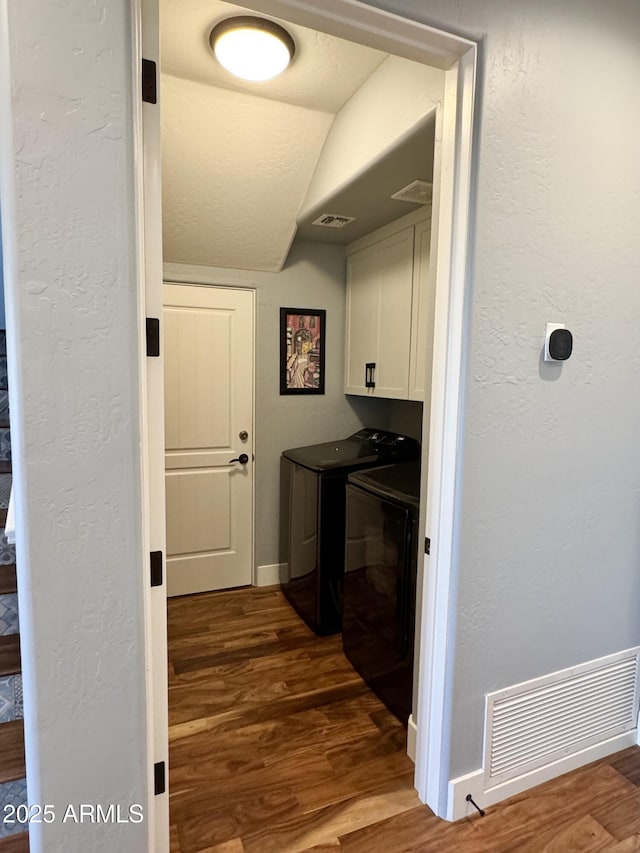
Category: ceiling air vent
<point>417,192</point>
<point>332,220</point>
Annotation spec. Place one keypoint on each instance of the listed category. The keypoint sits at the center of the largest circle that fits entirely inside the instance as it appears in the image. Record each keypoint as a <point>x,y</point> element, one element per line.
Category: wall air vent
<point>533,724</point>
<point>333,220</point>
<point>417,192</point>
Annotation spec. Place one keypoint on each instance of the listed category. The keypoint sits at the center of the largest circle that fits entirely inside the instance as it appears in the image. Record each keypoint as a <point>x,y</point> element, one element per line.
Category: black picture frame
<point>302,350</point>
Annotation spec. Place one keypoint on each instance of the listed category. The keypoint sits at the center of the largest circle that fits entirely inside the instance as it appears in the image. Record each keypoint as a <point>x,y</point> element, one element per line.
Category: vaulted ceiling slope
<point>238,157</point>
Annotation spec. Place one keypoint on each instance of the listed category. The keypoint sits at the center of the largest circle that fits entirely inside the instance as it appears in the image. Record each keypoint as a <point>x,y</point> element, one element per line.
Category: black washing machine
<point>314,480</point>
<point>380,580</point>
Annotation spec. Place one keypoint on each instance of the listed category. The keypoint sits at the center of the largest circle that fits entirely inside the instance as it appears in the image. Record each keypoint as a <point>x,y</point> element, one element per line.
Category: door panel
<point>362,314</point>
<point>378,605</point>
<point>422,318</point>
<point>303,525</point>
<point>379,292</point>
<point>208,402</point>
<point>394,282</point>
<point>198,511</point>
<point>198,393</point>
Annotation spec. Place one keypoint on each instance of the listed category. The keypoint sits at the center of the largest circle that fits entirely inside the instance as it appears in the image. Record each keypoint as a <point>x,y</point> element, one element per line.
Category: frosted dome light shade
<point>252,48</point>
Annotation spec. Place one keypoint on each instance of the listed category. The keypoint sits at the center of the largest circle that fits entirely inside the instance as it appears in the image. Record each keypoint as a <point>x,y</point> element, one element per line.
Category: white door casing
<point>148,198</point>
<point>457,55</point>
<point>208,405</point>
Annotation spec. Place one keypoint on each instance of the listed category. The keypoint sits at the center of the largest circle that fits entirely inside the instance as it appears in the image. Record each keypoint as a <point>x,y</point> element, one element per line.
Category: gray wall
<point>549,517</point>
<point>313,277</point>
<point>71,283</point>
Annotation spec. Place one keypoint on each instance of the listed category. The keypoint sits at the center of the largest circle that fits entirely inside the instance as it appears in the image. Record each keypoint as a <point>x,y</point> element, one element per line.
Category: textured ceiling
<point>368,197</point>
<point>325,72</point>
<point>235,170</point>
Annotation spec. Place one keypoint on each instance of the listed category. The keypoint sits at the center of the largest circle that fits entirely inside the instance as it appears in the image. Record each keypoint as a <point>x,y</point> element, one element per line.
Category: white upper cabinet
<point>379,317</point>
<point>363,311</point>
<point>390,311</point>
<point>422,315</point>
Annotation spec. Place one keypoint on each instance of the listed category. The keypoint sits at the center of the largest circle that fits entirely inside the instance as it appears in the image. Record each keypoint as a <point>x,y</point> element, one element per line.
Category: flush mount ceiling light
<point>252,48</point>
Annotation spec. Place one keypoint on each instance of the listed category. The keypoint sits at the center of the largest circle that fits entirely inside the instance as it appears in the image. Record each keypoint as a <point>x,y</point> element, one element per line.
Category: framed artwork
<point>302,333</point>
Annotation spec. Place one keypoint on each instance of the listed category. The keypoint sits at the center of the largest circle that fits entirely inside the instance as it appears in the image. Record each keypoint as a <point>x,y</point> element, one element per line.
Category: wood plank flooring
<point>9,654</point>
<point>8,582</point>
<point>277,746</point>
<point>12,764</point>
<point>18,843</point>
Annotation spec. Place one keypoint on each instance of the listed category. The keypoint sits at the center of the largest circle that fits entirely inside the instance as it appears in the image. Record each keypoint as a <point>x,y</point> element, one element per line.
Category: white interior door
<point>209,334</point>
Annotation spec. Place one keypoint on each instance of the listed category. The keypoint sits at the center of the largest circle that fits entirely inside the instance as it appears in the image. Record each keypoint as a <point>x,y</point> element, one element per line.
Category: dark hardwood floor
<point>277,746</point>
<point>15,843</point>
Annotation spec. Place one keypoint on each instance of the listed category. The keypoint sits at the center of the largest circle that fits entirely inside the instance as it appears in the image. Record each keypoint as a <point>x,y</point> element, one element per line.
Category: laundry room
<point>298,332</point>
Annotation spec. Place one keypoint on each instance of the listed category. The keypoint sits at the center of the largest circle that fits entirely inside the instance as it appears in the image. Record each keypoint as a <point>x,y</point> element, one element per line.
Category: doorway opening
<point>448,245</point>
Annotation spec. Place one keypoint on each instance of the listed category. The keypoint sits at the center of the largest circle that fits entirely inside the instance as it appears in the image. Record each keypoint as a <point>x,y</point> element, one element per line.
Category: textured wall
<point>71,304</point>
<point>549,518</point>
<point>398,94</point>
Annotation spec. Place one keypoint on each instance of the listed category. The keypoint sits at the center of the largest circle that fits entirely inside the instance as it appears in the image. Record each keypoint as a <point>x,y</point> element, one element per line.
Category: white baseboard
<point>412,738</point>
<point>473,783</point>
<point>269,575</point>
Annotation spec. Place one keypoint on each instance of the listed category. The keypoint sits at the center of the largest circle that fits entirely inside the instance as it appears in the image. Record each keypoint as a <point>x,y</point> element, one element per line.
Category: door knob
<point>242,459</point>
<point>244,435</point>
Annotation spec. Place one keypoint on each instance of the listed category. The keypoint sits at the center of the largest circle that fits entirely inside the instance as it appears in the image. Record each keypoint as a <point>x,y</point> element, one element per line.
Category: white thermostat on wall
<point>558,342</point>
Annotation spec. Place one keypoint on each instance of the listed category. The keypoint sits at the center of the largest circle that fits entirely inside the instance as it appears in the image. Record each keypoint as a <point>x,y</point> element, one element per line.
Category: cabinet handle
<point>369,374</point>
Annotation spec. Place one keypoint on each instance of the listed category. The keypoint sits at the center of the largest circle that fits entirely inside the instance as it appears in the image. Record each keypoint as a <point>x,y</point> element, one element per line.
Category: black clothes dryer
<point>314,481</point>
<point>380,580</point>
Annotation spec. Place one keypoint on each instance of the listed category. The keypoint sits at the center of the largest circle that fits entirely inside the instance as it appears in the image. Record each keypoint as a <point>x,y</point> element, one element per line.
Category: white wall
<point>313,277</point>
<point>387,106</point>
<point>2,320</point>
<point>70,278</point>
<point>549,534</point>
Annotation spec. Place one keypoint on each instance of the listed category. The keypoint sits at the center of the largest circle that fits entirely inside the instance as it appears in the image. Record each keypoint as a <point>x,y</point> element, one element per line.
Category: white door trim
<point>458,56</point>
<point>435,652</point>
<point>148,204</point>
<point>377,28</point>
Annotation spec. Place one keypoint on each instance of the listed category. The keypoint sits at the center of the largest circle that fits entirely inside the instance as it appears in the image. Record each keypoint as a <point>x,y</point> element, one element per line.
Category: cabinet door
<point>422,316</point>
<point>362,319</point>
<point>393,280</point>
